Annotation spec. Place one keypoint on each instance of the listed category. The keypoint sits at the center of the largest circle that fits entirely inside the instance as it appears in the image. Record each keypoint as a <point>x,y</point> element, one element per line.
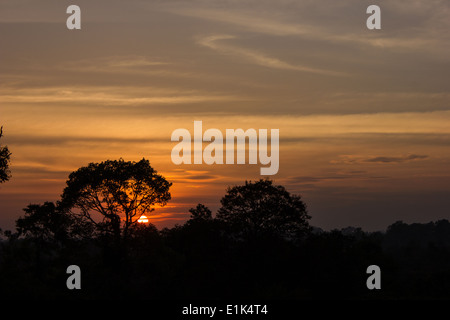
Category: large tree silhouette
<point>5,155</point>
<point>113,195</point>
<point>261,208</point>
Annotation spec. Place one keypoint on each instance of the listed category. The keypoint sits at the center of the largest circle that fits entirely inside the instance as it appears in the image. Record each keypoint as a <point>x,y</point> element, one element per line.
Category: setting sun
<point>143,219</point>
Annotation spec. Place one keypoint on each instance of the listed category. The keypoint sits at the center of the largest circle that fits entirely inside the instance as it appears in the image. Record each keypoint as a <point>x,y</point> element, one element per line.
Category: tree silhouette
<point>200,212</point>
<point>113,195</point>
<point>48,223</point>
<point>5,155</point>
<point>261,208</point>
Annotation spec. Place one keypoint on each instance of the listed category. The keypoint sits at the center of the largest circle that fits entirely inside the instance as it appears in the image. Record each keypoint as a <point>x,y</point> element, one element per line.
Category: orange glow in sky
<point>363,116</point>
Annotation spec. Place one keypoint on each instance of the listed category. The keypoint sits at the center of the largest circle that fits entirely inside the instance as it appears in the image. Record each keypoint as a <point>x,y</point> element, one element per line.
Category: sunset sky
<point>364,115</point>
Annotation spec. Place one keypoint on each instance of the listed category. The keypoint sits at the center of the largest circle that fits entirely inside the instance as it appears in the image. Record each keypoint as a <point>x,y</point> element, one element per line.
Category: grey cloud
<point>396,159</point>
<point>355,159</point>
<point>351,175</point>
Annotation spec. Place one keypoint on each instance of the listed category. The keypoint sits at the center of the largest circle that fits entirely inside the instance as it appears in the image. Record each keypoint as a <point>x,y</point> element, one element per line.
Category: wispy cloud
<point>396,159</point>
<point>125,64</point>
<point>132,61</point>
<point>254,23</point>
<point>281,23</point>
<point>109,96</point>
<point>354,159</point>
<point>357,175</point>
<point>215,42</point>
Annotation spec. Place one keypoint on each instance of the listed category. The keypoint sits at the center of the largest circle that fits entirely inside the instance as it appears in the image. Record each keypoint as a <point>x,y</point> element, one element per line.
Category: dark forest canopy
<point>200,260</point>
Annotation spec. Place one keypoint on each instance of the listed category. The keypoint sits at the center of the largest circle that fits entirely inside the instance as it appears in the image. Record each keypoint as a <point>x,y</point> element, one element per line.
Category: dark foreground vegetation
<point>202,260</point>
<point>259,245</point>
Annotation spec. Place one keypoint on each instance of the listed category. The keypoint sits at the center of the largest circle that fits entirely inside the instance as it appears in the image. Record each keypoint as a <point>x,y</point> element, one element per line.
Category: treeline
<point>201,260</point>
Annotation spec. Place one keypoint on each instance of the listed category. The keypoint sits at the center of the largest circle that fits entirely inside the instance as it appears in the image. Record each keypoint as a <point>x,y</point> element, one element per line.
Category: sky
<point>363,114</point>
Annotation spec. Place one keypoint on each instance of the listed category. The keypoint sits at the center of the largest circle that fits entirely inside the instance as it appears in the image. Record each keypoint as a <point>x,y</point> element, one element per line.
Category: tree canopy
<point>113,194</point>
<point>262,208</point>
<point>47,222</point>
<point>200,213</point>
